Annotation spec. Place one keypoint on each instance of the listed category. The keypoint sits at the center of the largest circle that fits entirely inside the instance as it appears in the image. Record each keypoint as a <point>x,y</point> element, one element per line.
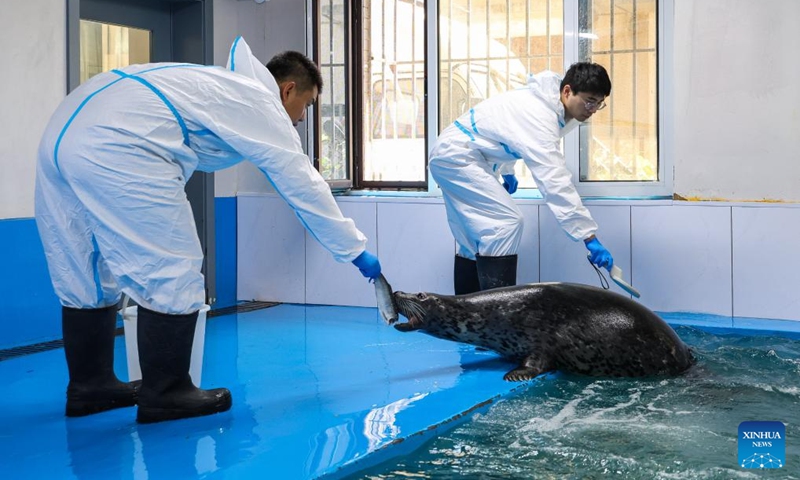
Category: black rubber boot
<point>465,276</point>
<point>496,272</point>
<point>165,351</point>
<point>89,348</point>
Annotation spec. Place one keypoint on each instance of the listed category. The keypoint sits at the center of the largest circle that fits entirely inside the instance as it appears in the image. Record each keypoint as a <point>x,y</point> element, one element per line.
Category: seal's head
<point>418,308</point>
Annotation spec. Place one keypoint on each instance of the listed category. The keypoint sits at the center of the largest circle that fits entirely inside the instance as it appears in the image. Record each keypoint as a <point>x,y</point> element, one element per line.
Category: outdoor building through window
<point>393,88</point>
<point>379,100</point>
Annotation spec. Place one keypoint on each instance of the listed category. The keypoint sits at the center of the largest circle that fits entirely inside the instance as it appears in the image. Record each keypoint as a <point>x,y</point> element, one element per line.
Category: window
<point>332,152</point>
<point>621,144</point>
<point>392,143</point>
<point>420,64</point>
<point>490,46</point>
<point>105,47</point>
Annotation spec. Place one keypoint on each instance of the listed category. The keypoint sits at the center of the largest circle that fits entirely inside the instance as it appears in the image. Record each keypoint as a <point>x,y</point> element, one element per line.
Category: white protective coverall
<point>115,157</point>
<point>487,141</point>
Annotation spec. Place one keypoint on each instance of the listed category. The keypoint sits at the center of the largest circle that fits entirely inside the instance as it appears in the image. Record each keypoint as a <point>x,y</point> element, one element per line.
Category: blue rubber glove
<point>598,254</point>
<point>368,265</point>
<point>510,183</point>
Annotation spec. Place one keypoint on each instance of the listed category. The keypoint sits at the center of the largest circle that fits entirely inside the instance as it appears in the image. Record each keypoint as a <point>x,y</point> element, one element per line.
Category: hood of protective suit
<point>242,61</point>
<point>547,86</point>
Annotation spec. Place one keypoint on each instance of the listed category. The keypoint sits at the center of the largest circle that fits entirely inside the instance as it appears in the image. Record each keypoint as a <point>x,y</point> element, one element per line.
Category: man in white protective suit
<point>485,143</point>
<point>114,218</point>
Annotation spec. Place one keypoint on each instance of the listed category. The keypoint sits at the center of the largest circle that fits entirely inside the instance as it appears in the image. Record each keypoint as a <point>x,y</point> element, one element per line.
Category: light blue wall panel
<point>417,248</point>
<point>682,257</point>
<point>528,262</point>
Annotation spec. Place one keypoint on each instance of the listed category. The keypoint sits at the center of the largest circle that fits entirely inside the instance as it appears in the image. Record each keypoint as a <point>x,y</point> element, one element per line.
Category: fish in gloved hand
<point>386,303</point>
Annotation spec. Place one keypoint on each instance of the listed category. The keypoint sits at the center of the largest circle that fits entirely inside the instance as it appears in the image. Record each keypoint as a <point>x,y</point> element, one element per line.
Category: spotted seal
<point>552,326</point>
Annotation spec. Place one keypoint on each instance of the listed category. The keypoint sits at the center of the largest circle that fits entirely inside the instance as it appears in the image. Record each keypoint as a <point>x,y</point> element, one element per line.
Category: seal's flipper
<point>520,374</point>
<point>405,327</point>
<point>532,367</point>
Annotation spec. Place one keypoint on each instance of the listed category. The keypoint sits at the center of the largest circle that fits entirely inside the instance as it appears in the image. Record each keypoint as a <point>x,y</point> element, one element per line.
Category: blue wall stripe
<point>225,231</point>
<point>29,309</point>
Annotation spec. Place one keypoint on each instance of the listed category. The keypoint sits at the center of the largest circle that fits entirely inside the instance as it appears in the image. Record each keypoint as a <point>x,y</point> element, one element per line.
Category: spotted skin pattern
<point>553,326</point>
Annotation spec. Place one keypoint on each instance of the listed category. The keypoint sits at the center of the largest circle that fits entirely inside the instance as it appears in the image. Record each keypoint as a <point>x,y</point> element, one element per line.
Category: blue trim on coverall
<point>464,129</point>
<point>90,96</point>
<point>160,95</point>
<point>96,271</point>
<point>472,120</point>
<point>510,152</point>
<point>71,118</point>
<point>233,51</point>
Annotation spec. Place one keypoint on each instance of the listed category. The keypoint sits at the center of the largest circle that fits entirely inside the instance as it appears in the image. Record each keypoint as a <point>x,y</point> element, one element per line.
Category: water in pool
<point>570,427</point>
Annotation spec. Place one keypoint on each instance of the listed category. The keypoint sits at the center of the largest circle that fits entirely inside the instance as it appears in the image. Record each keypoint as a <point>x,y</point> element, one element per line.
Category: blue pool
<point>686,427</point>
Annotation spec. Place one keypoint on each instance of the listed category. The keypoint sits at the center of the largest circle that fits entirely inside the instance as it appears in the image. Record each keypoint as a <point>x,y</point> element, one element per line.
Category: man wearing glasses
<point>482,145</point>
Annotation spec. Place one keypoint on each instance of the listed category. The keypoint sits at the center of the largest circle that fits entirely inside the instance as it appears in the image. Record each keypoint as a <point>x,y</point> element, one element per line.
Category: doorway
<point>146,31</point>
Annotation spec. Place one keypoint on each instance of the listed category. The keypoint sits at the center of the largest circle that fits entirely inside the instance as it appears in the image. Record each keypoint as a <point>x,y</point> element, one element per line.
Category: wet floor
<point>318,391</point>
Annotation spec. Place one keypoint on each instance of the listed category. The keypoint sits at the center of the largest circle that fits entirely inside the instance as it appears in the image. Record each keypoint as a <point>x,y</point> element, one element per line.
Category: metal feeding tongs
<point>616,276</point>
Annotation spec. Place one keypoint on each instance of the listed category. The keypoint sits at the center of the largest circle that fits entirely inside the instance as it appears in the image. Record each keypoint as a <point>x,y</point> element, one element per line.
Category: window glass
<point>105,47</point>
<point>334,129</point>
<point>394,92</point>
<point>621,141</point>
<point>490,46</point>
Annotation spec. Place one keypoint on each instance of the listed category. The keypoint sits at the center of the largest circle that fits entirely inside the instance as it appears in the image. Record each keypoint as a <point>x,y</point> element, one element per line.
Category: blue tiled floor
<point>318,392</point>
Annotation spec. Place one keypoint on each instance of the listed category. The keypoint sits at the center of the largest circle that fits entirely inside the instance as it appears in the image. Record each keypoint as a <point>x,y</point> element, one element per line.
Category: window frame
<point>314,132</point>
<point>357,135</point>
<point>663,187</point>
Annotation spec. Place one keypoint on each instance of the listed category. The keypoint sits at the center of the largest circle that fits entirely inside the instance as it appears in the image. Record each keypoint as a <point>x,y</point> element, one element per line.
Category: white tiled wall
<point>416,247</point>
<point>329,282</point>
<point>528,260</point>
<point>711,258</point>
<point>271,254</point>
<point>682,257</point>
<point>565,260</point>
<point>766,262</point>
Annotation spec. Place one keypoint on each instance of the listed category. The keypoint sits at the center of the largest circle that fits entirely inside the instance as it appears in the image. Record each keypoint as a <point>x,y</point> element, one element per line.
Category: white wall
<point>269,28</point>
<point>33,82</point>
<point>737,104</point>
<point>726,259</point>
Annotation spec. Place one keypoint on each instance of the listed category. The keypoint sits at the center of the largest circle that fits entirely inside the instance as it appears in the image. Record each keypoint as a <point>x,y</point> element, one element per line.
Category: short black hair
<point>295,67</point>
<point>587,77</point>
